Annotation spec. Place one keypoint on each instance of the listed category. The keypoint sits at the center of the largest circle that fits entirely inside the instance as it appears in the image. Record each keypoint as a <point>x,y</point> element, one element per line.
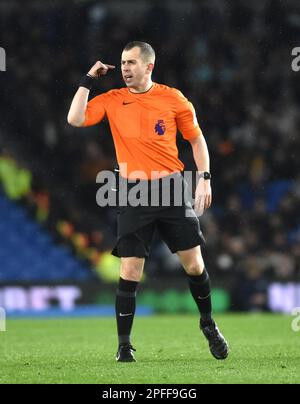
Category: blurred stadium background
<point>232,59</point>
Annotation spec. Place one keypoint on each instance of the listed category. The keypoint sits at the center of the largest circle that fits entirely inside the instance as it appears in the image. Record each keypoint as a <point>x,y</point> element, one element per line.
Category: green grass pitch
<point>170,349</point>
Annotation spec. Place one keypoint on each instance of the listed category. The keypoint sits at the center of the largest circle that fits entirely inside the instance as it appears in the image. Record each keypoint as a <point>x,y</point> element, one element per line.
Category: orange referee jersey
<point>144,128</point>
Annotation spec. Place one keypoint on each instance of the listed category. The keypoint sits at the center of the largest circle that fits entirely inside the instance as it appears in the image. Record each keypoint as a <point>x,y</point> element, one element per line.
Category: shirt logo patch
<point>160,127</point>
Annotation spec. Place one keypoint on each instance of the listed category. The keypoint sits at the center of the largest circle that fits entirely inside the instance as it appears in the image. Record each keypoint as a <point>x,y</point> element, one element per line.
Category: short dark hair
<point>147,52</point>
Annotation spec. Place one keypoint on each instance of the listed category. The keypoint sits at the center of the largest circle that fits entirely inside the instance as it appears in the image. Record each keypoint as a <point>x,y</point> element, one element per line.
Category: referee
<point>144,118</point>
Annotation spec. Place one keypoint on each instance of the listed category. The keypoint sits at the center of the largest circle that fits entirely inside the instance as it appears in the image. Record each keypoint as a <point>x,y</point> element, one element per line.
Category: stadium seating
<point>29,254</point>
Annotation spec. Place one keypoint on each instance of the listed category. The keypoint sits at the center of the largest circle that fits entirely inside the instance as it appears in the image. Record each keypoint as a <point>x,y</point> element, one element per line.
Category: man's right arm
<point>76,115</point>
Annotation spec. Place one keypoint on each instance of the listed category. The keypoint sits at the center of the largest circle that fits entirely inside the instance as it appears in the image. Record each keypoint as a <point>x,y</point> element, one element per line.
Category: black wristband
<point>87,81</point>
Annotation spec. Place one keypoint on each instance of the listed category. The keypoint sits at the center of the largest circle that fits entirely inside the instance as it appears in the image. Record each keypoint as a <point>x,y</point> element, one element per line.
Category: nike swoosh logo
<point>125,315</point>
<point>203,298</point>
<point>127,103</point>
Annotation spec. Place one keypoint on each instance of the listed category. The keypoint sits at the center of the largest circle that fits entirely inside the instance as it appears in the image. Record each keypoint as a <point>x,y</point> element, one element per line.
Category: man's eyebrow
<point>130,60</point>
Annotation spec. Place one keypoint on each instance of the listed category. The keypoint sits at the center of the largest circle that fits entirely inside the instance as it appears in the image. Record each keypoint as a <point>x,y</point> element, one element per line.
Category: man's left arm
<point>203,195</point>
<point>187,124</point>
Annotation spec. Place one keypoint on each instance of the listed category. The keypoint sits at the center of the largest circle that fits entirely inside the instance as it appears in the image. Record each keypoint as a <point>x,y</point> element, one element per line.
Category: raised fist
<point>100,69</point>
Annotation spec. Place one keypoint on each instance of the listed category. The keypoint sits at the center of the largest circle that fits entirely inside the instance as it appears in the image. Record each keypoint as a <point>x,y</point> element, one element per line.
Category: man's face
<point>135,70</point>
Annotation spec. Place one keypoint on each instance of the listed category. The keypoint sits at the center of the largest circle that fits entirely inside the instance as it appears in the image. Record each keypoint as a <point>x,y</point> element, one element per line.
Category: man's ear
<point>150,67</point>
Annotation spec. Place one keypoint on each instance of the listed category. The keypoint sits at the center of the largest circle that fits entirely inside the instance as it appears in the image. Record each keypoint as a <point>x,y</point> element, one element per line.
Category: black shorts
<point>178,226</point>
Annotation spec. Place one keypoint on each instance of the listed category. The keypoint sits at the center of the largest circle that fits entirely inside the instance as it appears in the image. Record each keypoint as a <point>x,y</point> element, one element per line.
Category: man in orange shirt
<point>144,118</point>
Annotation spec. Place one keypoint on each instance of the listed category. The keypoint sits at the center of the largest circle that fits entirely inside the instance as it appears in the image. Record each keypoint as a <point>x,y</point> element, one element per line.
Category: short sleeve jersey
<point>144,128</point>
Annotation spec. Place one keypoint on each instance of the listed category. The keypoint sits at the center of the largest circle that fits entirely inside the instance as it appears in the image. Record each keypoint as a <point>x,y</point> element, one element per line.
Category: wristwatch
<point>206,175</point>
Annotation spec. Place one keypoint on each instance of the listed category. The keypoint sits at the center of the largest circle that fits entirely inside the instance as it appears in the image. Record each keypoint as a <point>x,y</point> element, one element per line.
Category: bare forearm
<point>76,115</point>
<point>201,154</point>
<point>203,194</point>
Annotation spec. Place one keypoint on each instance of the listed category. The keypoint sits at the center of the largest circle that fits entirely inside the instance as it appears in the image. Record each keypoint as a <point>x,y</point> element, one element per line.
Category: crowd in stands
<point>232,59</point>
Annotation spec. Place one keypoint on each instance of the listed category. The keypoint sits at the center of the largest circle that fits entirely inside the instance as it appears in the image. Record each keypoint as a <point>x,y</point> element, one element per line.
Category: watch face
<point>207,176</point>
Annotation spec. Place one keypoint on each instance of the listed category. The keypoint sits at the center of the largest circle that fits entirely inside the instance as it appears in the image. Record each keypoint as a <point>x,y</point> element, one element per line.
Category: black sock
<point>200,289</point>
<point>125,309</point>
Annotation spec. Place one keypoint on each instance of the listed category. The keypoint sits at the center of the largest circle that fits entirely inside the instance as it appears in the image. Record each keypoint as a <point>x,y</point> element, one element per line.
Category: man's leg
<point>130,275</point>
<point>199,283</point>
